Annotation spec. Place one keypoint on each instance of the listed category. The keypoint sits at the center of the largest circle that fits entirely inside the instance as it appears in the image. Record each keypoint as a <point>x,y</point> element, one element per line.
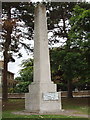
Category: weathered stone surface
<point>50,96</point>
<point>42,77</point>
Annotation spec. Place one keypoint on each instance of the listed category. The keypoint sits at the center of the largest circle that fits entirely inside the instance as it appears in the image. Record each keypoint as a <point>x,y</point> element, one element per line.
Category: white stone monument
<point>42,96</point>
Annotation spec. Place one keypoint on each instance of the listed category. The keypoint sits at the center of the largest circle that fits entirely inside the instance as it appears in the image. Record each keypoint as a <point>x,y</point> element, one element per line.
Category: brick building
<point>10,77</point>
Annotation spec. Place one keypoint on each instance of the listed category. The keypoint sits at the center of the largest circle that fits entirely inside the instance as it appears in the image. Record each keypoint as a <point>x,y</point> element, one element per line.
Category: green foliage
<point>18,78</point>
<point>80,35</point>
<point>26,72</point>
<point>80,27</point>
<point>22,87</point>
<point>72,60</point>
<point>26,76</point>
<point>10,90</point>
<point>69,65</point>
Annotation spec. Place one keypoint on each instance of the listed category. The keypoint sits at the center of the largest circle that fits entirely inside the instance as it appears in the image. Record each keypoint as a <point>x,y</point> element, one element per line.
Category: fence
<point>77,93</point>
<point>63,94</point>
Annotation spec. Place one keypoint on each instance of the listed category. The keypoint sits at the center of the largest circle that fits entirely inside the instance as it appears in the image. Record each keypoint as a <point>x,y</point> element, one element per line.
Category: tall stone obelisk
<point>42,96</point>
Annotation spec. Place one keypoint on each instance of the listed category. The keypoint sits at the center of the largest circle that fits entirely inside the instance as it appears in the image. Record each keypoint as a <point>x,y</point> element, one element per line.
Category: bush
<point>10,90</point>
<point>22,87</point>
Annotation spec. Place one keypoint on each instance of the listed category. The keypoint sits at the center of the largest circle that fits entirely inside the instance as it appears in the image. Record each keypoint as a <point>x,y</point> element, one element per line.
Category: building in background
<point>10,76</point>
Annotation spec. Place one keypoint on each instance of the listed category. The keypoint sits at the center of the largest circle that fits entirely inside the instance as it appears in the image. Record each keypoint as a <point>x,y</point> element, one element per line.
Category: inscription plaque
<point>50,96</point>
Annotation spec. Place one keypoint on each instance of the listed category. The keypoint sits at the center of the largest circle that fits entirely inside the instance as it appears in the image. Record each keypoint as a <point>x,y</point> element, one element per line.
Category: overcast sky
<point>15,66</point>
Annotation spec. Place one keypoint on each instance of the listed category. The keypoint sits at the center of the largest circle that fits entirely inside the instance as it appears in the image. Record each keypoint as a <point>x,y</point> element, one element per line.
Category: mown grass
<point>80,105</point>
<point>8,114</point>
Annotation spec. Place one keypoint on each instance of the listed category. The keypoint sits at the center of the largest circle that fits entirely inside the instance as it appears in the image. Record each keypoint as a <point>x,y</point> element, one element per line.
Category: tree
<point>69,66</point>
<point>7,26</point>
<point>56,71</point>
<point>26,76</point>
<point>11,40</point>
<point>59,25</point>
<point>80,36</point>
<point>26,72</point>
<point>63,31</point>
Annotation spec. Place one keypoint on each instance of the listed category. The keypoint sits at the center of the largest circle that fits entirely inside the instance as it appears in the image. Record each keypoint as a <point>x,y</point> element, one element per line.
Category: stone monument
<point>42,96</point>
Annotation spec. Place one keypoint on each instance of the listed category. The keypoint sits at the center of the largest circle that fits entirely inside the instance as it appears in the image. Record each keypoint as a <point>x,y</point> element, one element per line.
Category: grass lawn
<point>80,105</point>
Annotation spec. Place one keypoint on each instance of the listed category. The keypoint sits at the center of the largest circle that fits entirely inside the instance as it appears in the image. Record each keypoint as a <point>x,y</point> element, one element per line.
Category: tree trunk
<point>6,58</point>
<point>69,93</point>
<point>5,68</point>
<point>5,87</point>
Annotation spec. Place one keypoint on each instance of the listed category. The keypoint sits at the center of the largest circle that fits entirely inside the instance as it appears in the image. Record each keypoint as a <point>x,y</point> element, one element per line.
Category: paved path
<point>63,112</point>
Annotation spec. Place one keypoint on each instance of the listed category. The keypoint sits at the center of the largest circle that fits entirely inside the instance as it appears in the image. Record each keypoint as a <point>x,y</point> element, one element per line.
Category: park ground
<point>73,108</point>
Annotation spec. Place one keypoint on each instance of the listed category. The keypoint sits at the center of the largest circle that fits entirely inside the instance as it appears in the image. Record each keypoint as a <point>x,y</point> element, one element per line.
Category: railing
<point>63,94</point>
<point>84,93</point>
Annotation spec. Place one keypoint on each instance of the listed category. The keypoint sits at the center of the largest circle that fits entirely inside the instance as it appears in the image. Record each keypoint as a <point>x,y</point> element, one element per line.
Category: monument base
<point>42,98</point>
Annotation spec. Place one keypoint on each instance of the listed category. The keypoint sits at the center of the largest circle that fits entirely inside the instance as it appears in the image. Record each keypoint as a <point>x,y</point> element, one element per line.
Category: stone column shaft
<point>41,51</point>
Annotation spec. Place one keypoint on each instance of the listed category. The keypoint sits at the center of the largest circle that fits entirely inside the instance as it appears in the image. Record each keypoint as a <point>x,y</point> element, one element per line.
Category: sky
<point>15,67</point>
